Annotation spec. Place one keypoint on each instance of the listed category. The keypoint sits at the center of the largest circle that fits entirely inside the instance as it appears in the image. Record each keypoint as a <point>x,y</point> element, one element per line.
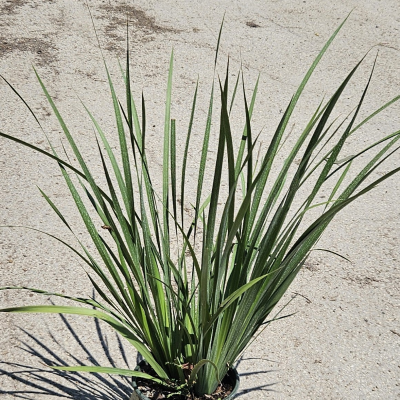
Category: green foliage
<point>192,317</point>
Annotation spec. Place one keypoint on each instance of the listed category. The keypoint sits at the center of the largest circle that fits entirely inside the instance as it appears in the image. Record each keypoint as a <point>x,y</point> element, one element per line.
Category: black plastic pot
<point>232,376</point>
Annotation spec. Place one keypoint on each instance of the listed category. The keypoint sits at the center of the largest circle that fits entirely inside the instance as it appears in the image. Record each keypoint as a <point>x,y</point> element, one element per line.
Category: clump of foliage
<point>191,317</point>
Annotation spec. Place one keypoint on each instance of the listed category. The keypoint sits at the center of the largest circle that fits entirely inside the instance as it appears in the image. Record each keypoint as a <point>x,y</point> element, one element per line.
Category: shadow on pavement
<point>70,385</point>
<point>74,385</point>
<point>266,387</point>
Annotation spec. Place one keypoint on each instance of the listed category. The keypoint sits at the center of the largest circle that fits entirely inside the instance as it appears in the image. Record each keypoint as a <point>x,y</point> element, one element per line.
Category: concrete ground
<point>344,341</point>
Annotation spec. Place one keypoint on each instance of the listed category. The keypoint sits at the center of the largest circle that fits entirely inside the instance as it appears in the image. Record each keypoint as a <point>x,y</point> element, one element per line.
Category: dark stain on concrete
<point>144,28</point>
<point>44,50</point>
<point>9,7</point>
<point>252,24</point>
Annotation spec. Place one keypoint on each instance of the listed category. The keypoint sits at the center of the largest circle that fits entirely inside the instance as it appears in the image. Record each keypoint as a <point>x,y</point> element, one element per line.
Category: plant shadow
<point>61,384</point>
<point>265,387</point>
<point>74,385</point>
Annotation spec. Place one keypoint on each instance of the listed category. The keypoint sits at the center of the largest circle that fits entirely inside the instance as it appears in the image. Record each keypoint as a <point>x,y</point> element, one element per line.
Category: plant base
<point>145,390</point>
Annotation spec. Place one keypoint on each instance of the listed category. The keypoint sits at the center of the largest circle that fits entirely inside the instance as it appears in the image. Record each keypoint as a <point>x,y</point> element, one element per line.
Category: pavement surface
<point>344,340</point>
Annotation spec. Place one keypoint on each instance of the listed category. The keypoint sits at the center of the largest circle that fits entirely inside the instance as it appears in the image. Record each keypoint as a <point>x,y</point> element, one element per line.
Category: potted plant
<point>191,315</point>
